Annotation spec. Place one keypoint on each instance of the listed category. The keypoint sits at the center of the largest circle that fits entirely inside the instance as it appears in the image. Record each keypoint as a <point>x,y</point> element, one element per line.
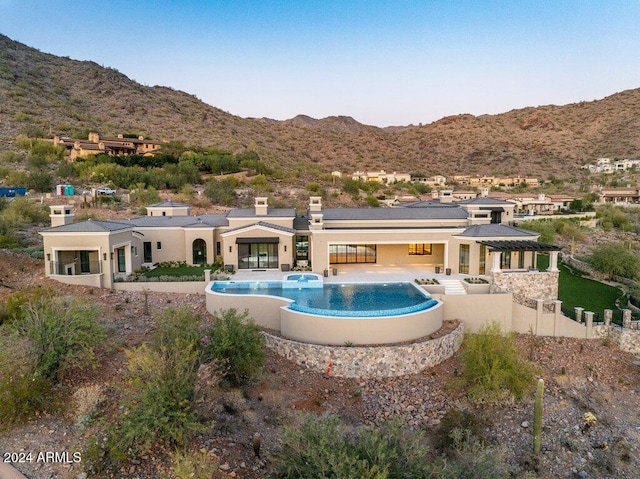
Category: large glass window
<point>85,265</point>
<point>352,253</point>
<point>146,252</point>
<point>257,255</point>
<point>302,247</point>
<point>505,262</point>
<point>420,249</point>
<point>483,259</point>
<point>122,260</point>
<point>521,259</point>
<point>464,259</point>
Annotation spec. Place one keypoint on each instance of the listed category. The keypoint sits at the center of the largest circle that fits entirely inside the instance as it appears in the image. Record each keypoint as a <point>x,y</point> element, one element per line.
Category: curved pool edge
<point>369,361</point>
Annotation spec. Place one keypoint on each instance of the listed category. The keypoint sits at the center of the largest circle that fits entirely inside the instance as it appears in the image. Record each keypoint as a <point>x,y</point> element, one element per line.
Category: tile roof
<point>485,201</point>
<point>89,226</point>
<point>180,221</point>
<point>399,213</point>
<point>263,224</point>
<point>251,213</point>
<point>169,204</point>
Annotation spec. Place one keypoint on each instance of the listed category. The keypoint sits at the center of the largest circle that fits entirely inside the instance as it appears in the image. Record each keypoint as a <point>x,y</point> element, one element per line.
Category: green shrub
<point>158,401</point>
<point>64,334</point>
<point>493,369</point>
<point>234,340</point>
<point>474,461</point>
<point>457,426</point>
<point>194,465</point>
<point>177,328</point>
<point>23,391</point>
<point>13,309</point>
<point>321,448</point>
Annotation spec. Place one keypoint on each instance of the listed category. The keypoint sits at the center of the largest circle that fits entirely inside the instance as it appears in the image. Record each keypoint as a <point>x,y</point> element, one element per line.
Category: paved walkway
<point>357,273</point>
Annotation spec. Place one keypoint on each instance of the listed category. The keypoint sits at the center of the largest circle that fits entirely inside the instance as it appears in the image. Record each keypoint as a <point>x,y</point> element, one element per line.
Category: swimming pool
<point>334,313</point>
<point>338,299</point>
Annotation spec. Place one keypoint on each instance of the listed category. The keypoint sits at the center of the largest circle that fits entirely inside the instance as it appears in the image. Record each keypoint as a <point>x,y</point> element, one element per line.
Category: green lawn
<point>177,271</point>
<point>579,291</point>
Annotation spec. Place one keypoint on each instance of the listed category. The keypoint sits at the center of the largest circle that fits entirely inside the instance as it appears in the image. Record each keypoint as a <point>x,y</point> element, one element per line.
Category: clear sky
<point>381,62</point>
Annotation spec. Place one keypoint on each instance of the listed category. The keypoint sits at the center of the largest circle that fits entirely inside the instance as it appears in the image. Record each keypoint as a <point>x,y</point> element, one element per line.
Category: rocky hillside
<point>46,94</point>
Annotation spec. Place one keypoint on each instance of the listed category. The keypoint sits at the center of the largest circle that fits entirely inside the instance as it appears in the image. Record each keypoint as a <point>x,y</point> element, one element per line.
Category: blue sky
<point>381,62</point>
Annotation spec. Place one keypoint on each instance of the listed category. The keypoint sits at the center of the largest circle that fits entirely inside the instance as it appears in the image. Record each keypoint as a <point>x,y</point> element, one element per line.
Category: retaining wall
<point>369,361</point>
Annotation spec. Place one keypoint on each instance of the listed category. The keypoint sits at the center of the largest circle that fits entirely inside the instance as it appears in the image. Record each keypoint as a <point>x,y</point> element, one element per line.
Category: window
<point>420,249</point>
<point>164,213</point>
<point>352,253</point>
<point>483,259</point>
<point>199,249</point>
<point>159,245</point>
<point>122,262</point>
<point>302,247</point>
<point>257,255</point>
<point>521,259</point>
<point>85,265</point>
<point>505,261</point>
<point>464,259</point>
<point>218,248</point>
<point>146,252</point>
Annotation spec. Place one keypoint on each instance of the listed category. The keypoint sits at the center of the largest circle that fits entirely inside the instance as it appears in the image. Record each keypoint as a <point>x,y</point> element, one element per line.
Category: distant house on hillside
<point>95,145</point>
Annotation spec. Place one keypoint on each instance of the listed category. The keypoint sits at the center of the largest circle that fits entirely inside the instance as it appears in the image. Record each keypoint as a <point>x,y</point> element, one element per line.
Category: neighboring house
<point>619,196</point>
<point>380,177</point>
<point>467,237</point>
<point>108,145</point>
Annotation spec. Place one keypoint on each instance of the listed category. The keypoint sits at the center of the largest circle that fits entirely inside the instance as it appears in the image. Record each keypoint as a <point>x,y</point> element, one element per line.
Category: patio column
<point>446,255</point>
<point>497,257</point>
<point>553,262</point>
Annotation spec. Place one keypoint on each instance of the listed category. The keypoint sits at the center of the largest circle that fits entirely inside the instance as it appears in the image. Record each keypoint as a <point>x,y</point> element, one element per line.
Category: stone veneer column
<point>608,316</point>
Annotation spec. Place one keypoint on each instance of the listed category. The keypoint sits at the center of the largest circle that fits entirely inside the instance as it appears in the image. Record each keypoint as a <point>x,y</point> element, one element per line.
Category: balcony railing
<point>74,268</point>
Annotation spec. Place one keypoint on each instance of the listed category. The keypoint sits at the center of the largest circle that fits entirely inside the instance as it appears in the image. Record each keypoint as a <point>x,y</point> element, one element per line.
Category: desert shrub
<point>492,368</point>
<point>457,426</point>
<point>194,465</point>
<point>234,340</point>
<point>176,329</point>
<point>64,334</point>
<point>321,447</point>
<point>23,391</point>
<point>472,460</point>
<point>13,307</point>
<point>158,400</point>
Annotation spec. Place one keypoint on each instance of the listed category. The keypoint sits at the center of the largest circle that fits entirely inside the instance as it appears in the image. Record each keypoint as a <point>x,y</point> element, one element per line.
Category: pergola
<point>500,246</point>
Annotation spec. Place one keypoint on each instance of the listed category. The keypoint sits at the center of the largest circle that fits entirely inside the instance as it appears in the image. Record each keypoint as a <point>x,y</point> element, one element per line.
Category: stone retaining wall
<point>526,287</point>
<point>369,361</point>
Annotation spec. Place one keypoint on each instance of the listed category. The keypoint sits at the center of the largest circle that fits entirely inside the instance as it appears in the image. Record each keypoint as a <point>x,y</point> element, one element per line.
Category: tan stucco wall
<point>184,287</point>
<point>385,240</point>
<point>477,310</point>
<point>168,211</point>
<point>173,243</point>
<point>206,234</point>
<point>264,310</point>
<point>313,328</point>
<point>399,254</point>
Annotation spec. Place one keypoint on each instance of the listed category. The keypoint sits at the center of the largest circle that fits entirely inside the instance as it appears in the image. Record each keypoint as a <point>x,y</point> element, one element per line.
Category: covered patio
<point>525,253</point>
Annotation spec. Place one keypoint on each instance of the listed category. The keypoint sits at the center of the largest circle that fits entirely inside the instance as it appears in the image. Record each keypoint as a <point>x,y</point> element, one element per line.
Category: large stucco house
<point>472,237</point>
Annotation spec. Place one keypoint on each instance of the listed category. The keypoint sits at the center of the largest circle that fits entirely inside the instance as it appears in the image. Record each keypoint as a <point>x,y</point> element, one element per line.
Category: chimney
<point>446,196</point>
<point>93,137</point>
<point>315,203</point>
<point>61,215</point>
<point>484,192</point>
<point>261,206</point>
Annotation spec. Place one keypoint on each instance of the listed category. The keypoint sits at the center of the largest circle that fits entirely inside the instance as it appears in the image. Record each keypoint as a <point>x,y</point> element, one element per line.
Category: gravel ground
<point>580,377</point>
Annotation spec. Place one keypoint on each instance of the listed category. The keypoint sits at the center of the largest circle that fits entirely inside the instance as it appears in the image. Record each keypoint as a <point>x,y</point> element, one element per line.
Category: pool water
<point>340,299</point>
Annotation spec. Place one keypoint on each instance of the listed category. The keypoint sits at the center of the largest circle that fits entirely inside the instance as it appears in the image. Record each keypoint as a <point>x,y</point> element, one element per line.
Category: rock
<point>225,467</point>
<point>525,424</point>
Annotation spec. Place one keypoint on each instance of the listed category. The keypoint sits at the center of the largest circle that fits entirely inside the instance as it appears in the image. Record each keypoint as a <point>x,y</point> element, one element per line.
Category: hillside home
<point>95,145</point>
<point>380,177</point>
<point>467,237</point>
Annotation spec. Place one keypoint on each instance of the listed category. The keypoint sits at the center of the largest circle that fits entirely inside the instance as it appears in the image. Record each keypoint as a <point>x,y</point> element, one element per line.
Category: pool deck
<point>356,273</point>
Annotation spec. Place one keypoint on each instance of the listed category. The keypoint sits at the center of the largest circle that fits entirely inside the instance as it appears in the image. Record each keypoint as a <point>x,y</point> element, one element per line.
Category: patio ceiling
<point>521,245</point>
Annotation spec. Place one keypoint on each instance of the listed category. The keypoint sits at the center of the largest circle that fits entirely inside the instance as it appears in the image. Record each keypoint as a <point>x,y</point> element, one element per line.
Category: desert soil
<point>581,376</point>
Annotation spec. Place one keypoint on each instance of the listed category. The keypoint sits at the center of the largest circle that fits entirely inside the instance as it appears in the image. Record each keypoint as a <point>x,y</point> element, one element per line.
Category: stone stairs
<point>452,286</point>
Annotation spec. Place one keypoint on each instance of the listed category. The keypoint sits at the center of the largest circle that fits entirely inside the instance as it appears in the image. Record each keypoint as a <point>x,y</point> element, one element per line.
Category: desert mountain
<point>46,94</point>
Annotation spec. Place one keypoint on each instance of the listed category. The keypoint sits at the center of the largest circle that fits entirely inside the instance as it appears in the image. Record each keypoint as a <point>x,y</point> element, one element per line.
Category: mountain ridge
<point>47,94</point>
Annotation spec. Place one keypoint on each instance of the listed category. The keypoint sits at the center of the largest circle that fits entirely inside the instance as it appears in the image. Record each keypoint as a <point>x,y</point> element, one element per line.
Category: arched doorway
<point>199,251</point>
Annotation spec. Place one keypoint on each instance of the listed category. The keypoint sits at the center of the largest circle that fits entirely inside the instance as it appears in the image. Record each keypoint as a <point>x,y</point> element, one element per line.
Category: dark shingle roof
<point>390,214</point>
<point>485,201</point>
<point>251,212</point>
<point>264,224</point>
<point>180,221</point>
<point>496,230</point>
<point>90,226</point>
<point>169,204</point>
